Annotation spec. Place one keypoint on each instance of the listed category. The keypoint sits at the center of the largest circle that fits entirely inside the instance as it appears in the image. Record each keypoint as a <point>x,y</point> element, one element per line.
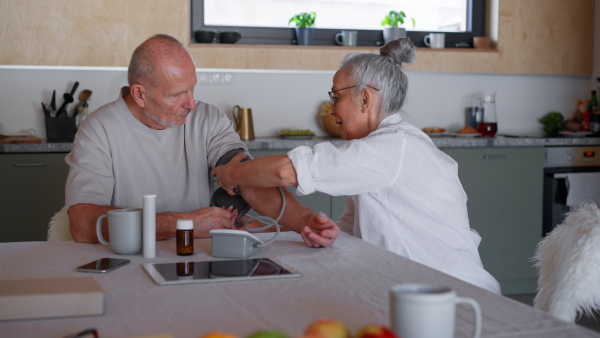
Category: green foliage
<point>304,19</point>
<point>553,122</point>
<point>395,19</point>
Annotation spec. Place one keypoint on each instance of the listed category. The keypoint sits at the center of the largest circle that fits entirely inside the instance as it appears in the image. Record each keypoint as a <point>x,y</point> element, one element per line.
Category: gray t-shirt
<point>116,159</point>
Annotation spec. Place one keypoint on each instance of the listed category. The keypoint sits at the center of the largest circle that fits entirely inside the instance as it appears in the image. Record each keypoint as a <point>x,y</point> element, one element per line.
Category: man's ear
<point>138,92</point>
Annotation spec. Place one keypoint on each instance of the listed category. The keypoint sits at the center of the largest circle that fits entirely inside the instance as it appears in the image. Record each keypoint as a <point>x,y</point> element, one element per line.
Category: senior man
<point>156,139</point>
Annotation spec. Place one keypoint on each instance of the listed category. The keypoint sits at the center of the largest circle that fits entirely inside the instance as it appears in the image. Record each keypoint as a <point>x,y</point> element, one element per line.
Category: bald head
<point>153,53</point>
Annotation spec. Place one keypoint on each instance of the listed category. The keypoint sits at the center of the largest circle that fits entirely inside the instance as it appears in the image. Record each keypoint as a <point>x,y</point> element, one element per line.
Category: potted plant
<point>394,20</point>
<point>553,123</point>
<point>305,27</point>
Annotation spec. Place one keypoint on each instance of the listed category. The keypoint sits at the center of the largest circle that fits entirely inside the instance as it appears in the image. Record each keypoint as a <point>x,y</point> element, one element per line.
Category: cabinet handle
<point>38,164</point>
<point>494,157</point>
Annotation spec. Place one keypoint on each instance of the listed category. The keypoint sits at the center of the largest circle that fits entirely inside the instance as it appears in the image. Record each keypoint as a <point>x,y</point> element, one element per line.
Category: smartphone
<point>103,265</point>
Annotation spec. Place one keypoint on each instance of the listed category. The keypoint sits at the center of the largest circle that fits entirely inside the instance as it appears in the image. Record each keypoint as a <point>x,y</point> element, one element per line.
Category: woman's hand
<point>223,174</point>
<point>320,231</point>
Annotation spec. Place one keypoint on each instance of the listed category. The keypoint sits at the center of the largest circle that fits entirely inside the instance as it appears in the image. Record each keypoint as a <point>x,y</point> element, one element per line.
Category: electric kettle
<point>243,122</point>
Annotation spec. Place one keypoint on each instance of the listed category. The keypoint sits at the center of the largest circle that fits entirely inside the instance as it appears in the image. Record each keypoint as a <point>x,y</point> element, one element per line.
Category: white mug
<point>427,311</point>
<point>124,229</point>
<point>435,40</point>
<point>346,38</point>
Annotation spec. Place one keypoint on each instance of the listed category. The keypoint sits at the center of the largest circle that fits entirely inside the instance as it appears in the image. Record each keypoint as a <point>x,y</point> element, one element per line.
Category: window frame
<point>476,26</point>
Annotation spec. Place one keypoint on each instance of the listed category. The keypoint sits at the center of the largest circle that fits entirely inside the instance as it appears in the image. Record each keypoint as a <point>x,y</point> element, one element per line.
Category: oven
<point>558,163</point>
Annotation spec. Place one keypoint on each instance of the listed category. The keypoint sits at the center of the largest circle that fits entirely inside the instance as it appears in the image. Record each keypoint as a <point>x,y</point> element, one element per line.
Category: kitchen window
<point>266,21</point>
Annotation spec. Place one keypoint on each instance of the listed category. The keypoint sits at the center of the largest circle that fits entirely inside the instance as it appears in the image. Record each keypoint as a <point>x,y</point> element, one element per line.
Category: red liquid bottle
<point>488,125</point>
<point>488,128</point>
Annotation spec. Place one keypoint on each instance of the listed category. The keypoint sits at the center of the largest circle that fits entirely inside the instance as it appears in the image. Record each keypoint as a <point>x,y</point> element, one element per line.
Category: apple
<point>268,334</point>
<point>375,331</point>
<point>327,328</point>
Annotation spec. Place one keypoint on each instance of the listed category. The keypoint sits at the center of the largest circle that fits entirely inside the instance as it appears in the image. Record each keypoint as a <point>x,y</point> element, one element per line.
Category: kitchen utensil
<point>53,104</point>
<point>84,95</point>
<point>68,98</point>
<point>46,111</point>
<point>243,122</point>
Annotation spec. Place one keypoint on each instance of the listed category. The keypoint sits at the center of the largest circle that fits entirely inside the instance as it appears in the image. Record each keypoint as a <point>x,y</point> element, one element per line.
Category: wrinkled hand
<point>320,231</point>
<point>221,173</point>
<point>206,219</point>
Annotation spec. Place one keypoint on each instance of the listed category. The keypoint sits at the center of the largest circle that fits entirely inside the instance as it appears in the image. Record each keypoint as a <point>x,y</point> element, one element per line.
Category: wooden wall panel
<point>534,37</point>
<point>85,32</point>
<point>546,37</point>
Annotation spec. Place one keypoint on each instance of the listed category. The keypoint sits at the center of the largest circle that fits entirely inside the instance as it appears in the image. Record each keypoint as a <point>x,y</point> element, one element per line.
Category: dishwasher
<point>559,163</point>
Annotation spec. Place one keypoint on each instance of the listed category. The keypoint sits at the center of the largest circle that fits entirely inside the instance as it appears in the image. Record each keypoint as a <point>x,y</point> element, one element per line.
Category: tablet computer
<point>217,271</point>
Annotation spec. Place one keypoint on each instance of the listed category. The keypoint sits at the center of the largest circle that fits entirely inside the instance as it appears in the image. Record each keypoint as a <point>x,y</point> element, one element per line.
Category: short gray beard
<point>158,121</point>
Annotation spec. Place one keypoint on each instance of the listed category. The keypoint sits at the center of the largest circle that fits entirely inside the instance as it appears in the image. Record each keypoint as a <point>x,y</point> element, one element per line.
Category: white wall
<point>291,99</point>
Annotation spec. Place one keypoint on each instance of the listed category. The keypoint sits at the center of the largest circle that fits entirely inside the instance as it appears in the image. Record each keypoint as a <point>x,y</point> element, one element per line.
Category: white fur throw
<point>568,260</point>
<point>59,228</point>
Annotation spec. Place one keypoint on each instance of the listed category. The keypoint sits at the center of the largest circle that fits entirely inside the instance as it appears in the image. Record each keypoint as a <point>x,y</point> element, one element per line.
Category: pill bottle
<point>185,237</point>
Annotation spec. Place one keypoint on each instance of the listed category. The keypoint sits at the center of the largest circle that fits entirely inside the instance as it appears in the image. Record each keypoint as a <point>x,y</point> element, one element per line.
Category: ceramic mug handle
<point>477,313</point>
<point>339,38</point>
<point>99,230</point>
<point>427,40</point>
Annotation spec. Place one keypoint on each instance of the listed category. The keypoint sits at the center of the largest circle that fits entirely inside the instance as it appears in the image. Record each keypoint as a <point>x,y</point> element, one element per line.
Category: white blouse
<point>405,196</point>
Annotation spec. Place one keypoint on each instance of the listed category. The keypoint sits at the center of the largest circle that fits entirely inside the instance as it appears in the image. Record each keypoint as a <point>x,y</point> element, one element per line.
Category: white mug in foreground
<point>427,311</point>
<point>124,230</point>
<point>435,40</point>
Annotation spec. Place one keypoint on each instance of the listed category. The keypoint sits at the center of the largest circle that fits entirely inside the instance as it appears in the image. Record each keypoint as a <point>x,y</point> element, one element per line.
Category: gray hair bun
<point>400,51</point>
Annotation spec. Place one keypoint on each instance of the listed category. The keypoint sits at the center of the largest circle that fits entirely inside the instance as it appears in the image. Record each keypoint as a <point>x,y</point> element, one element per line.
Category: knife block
<point>60,129</point>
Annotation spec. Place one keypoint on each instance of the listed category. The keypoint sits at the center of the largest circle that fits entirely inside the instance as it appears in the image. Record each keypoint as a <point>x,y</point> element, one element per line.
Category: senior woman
<point>405,194</point>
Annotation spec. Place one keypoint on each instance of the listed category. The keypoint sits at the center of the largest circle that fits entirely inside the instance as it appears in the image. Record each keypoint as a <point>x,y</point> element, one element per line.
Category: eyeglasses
<point>333,99</point>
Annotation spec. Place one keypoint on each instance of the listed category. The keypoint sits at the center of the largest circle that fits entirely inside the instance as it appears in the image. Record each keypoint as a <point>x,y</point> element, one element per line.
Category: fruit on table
<point>268,334</point>
<point>218,334</point>
<point>296,132</point>
<point>375,331</point>
<point>327,328</point>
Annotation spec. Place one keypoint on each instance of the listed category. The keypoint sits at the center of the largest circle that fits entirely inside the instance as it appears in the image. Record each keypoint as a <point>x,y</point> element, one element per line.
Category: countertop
<point>275,143</point>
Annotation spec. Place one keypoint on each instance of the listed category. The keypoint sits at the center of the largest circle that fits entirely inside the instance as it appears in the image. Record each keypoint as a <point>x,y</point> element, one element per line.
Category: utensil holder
<point>60,129</point>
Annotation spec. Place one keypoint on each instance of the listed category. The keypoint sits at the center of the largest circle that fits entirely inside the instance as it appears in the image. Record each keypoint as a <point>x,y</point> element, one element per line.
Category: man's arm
<point>83,218</point>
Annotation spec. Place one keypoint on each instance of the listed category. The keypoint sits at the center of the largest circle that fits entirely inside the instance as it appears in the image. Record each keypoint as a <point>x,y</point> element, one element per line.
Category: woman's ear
<point>366,100</point>
<point>138,92</point>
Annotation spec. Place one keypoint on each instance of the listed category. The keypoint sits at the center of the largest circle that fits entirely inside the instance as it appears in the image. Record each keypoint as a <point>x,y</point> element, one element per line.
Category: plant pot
<point>305,35</point>
<point>393,33</point>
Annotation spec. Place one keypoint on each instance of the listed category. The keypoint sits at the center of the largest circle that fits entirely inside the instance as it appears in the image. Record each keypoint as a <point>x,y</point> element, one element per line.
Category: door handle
<point>35,164</point>
<point>494,157</point>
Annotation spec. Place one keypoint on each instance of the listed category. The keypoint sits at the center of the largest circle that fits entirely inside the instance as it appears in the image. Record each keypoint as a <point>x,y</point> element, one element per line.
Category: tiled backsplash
<point>291,99</point>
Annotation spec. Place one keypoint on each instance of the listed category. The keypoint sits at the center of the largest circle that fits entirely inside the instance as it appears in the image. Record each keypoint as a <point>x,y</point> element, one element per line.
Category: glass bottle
<point>594,114</point>
<point>185,237</point>
<point>488,125</point>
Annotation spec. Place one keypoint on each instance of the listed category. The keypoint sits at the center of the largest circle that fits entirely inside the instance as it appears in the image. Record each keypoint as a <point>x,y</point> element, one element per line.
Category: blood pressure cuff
<point>221,198</point>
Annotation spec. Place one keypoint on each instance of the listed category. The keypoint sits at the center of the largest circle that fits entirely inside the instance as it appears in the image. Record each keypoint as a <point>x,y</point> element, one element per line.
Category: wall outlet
<point>216,78</point>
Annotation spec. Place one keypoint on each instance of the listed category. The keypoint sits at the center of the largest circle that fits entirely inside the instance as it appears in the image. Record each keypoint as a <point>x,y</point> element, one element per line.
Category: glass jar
<point>489,124</point>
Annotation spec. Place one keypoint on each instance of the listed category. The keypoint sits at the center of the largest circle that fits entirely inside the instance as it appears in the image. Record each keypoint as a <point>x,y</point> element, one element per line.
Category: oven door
<point>555,195</point>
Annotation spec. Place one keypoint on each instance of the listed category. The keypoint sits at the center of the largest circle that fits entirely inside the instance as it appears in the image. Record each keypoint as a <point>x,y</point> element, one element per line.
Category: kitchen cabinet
<point>33,187</point>
<point>504,187</point>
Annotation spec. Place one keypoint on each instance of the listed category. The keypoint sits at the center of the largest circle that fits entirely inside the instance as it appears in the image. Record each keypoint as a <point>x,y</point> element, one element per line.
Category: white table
<point>349,281</point>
